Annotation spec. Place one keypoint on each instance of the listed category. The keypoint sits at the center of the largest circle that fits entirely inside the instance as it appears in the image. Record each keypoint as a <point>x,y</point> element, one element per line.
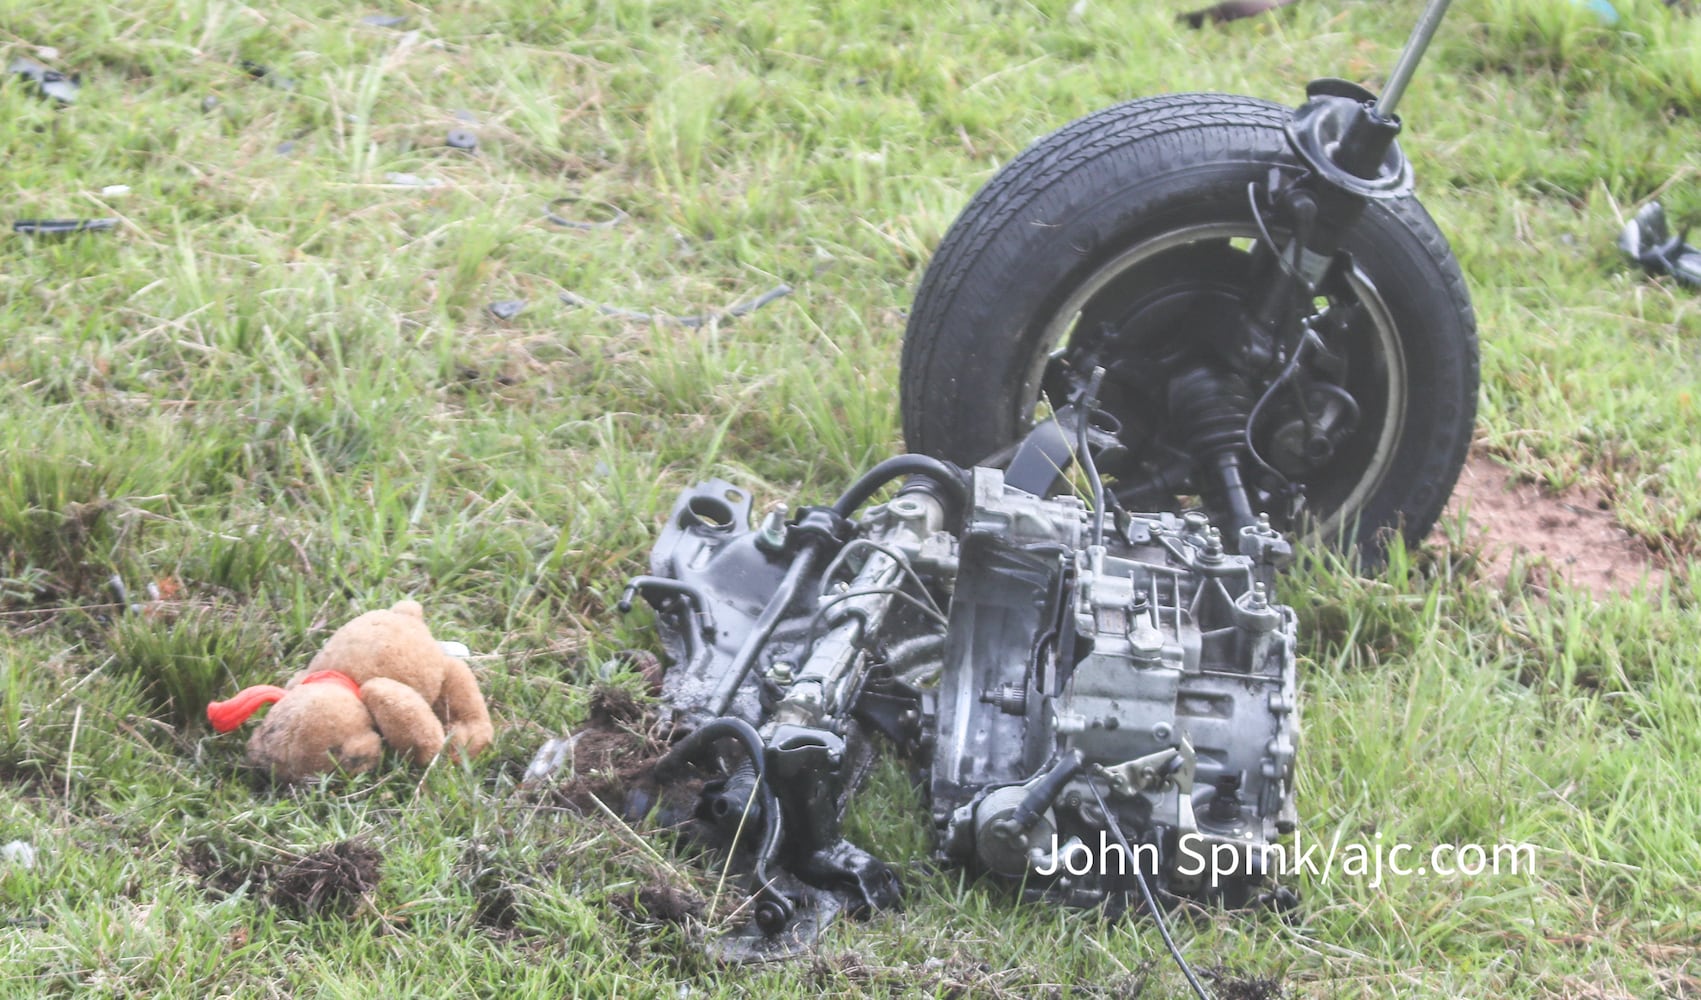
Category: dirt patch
<point>959,976</point>
<point>1572,535</point>
<point>331,880</point>
<point>660,902</point>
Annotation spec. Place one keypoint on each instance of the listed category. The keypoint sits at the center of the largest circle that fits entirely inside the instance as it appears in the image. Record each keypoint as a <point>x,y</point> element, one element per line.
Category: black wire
<point>914,602</point>
<point>1146,893</point>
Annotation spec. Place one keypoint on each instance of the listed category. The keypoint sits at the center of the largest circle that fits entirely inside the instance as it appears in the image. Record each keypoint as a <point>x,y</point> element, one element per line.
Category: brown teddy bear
<point>381,675</point>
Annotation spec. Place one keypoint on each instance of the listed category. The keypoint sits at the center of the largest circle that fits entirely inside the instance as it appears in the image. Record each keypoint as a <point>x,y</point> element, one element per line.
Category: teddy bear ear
<point>410,608</point>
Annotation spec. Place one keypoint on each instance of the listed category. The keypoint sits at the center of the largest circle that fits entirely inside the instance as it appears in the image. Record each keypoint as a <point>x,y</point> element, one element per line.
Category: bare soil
<point>1571,535</point>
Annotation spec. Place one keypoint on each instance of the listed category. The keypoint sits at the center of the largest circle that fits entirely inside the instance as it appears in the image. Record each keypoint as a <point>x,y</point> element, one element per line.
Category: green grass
<point>276,395</point>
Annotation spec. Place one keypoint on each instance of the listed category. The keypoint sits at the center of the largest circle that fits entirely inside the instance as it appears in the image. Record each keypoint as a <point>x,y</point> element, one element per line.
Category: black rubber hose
<point>757,752</point>
<point>948,477</point>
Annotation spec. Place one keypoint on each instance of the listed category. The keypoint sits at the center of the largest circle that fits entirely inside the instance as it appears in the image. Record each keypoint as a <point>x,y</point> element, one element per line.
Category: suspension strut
<point>1345,138</point>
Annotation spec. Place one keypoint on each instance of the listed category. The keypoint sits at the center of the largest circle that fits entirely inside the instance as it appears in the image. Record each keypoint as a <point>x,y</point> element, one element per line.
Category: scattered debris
<point>1648,241</point>
<point>262,72</point>
<point>384,20</point>
<point>507,308</point>
<point>461,138</point>
<point>331,880</point>
<point>62,227</point>
<point>1573,535</point>
<point>18,853</point>
<point>701,319</point>
<point>115,191</point>
<point>615,214</point>
<point>208,103</point>
<point>1230,10</point>
<point>49,83</point>
<point>286,147</point>
<point>1227,984</point>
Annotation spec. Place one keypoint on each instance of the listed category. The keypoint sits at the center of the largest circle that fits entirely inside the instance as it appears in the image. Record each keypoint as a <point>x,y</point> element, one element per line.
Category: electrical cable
<point>887,551</point>
<point>1085,457</point>
<point>1146,893</point>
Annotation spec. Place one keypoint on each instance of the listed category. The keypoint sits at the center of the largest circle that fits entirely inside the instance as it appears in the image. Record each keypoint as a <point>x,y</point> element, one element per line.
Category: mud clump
<point>332,880</point>
<point>662,903</point>
<point>1226,984</point>
<point>222,871</point>
<point>613,706</point>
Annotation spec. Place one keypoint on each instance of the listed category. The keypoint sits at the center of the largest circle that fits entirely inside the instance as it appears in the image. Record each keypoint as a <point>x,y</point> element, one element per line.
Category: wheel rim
<point>1375,440</point>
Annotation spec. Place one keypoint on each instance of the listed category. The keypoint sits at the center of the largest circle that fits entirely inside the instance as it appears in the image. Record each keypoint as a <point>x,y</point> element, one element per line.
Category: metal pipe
<point>1407,64</point>
<point>739,668</point>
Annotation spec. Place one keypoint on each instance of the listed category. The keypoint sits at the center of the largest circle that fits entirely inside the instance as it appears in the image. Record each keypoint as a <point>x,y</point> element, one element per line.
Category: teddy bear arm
<point>404,718</point>
<point>463,708</point>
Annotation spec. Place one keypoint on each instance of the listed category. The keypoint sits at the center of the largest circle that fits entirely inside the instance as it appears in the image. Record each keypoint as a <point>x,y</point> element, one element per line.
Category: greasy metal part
<point>1021,646</point>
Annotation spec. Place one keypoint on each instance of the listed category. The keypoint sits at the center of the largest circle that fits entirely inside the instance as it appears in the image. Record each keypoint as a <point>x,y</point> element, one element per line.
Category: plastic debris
<point>549,759</point>
<point>115,190</point>
<point>461,138</point>
<point>286,147</point>
<point>384,20</point>
<point>208,103</point>
<point>1230,10</point>
<point>615,214</point>
<point>458,650</point>
<point>507,308</point>
<point>18,853</point>
<point>701,319</point>
<point>260,71</point>
<point>62,227</point>
<point>49,83</point>
<point>1603,10</point>
<point>1648,241</point>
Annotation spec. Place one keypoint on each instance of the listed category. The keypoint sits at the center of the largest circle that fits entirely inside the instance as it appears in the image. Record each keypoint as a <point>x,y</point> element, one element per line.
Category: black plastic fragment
<point>49,83</point>
<point>62,227</point>
<point>507,308</point>
<point>1229,10</point>
<point>462,138</point>
<point>1648,241</point>
<point>260,71</point>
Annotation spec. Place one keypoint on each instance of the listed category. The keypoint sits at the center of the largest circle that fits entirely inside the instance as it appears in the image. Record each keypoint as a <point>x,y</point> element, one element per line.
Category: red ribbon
<point>228,715</point>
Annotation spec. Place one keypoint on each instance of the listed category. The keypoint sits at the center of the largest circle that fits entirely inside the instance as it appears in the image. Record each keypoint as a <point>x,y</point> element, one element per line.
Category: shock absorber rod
<point>1428,23</point>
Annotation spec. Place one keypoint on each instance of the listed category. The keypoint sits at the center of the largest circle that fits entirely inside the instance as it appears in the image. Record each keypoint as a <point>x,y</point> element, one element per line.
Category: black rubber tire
<point>1078,198</point>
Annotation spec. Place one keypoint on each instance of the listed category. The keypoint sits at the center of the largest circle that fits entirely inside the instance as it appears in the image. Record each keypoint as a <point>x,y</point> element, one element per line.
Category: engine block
<point>1064,685</point>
